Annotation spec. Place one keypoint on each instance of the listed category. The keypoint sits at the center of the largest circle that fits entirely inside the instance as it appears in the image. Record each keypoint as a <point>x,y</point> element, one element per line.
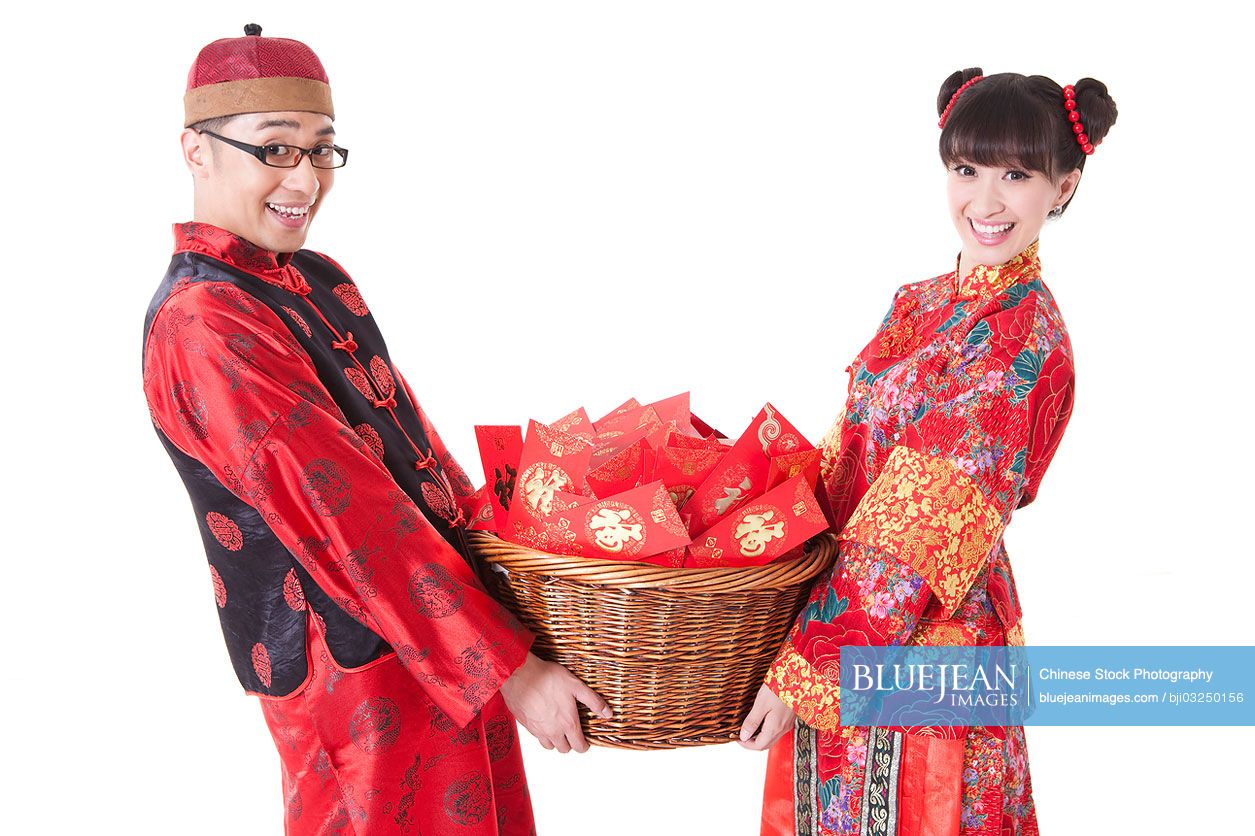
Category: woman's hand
<point>767,721</point>
<point>541,695</point>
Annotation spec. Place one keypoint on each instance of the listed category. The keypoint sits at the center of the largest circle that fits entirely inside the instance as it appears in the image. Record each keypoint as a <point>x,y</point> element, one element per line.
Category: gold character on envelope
<point>732,496</point>
<point>755,532</point>
<point>540,482</point>
<point>612,528</point>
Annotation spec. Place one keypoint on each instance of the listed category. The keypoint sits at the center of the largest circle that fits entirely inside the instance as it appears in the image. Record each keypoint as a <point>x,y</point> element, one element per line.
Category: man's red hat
<point>253,74</point>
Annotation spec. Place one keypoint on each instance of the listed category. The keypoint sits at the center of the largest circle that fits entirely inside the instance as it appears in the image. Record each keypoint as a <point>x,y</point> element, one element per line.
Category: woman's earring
<point>1057,211</point>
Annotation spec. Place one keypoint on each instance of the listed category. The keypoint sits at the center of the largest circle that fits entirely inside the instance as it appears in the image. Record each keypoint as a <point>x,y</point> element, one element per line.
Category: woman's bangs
<point>1005,131</point>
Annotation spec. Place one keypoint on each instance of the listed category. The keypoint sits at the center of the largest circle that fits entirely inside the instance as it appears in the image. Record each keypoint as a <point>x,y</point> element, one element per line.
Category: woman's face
<point>999,211</point>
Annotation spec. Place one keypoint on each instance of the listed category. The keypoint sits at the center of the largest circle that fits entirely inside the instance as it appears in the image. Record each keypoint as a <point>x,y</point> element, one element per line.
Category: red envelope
<point>500,449</point>
<point>553,534</point>
<point>552,461</point>
<point>567,500</point>
<point>658,437</point>
<point>626,406</point>
<point>575,423</point>
<point>621,472</point>
<point>613,442</point>
<point>673,559</point>
<point>762,530</point>
<point>480,511</point>
<point>626,422</point>
<point>802,463</point>
<point>683,469</point>
<point>742,473</point>
<point>704,429</point>
<point>691,442</point>
<point>634,525</point>
<point>675,408</point>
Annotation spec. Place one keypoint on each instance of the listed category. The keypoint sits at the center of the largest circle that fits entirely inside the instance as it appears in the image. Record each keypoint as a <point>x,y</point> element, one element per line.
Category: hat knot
<point>252,29</point>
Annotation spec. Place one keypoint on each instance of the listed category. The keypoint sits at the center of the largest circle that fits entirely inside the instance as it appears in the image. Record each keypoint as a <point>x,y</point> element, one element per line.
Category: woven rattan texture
<point>678,653</point>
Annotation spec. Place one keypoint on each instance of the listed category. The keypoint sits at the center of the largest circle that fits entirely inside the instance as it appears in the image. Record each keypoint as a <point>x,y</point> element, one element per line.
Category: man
<point>330,509</point>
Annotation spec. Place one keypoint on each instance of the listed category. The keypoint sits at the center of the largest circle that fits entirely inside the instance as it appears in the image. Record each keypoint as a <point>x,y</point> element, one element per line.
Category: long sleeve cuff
<point>814,697</point>
<point>931,516</point>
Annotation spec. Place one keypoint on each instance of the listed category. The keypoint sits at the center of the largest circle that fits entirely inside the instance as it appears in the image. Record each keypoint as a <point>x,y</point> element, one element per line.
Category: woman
<point>955,408</point>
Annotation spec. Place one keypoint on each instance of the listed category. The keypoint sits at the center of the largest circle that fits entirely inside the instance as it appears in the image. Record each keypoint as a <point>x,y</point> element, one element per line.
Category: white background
<point>555,204</point>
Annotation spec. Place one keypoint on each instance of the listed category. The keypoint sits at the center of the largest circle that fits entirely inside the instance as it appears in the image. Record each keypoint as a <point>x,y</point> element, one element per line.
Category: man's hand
<point>767,721</point>
<point>541,695</point>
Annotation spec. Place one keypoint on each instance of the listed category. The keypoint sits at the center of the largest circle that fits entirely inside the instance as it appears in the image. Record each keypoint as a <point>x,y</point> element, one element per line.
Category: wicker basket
<point>678,653</point>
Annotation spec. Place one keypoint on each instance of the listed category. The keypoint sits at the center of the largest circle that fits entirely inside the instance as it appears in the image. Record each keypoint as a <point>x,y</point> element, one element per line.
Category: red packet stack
<point>651,483</point>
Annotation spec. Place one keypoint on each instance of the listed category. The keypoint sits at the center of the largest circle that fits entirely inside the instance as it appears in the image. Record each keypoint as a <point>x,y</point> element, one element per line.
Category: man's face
<point>271,207</point>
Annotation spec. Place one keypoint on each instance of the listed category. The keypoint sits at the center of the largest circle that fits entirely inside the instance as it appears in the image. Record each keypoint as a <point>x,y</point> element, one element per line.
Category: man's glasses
<point>290,156</point>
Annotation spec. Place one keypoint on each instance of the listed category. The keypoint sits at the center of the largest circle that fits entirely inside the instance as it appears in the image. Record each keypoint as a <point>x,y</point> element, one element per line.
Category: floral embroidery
<point>926,512</point>
<point>899,335</point>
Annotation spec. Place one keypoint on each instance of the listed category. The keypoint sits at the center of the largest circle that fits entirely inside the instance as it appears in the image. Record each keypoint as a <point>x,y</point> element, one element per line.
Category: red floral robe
<point>330,514</point>
<point>955,409</point>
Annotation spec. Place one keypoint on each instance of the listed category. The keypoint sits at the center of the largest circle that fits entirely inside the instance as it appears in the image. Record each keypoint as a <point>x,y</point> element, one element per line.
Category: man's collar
<point>215,242</point>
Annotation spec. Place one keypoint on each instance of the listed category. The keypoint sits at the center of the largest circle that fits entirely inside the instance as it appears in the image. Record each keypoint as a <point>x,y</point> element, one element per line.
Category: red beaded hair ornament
<point>945,114</point>
<point>1069,102</point>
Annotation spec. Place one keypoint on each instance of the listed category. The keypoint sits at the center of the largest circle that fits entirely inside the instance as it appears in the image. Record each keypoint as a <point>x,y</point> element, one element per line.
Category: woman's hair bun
<point>952,84</point>
<point>1097,108</point>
